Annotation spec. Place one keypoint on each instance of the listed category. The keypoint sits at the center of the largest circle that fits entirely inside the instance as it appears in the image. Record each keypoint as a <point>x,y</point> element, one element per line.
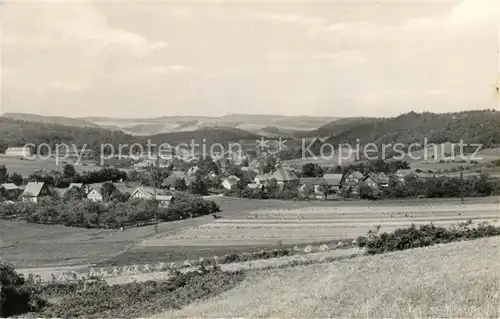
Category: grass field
<point>460,280</point>
<point>33,245</point>
<point>27,167</point>
<point>273,226</point>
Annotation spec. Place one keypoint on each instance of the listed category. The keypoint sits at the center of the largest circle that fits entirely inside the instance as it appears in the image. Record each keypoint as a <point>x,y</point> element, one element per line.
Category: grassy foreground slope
<point>454,280</point>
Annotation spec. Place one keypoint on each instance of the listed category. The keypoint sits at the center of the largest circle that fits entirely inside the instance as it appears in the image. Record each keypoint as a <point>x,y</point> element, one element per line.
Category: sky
<point>159,58</point>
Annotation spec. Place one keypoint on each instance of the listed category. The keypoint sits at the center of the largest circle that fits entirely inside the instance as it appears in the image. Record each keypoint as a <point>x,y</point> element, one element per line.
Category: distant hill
<point>17,133</point>
<point>60,120</point>
<point>252,123</point>
<point>339,126</point>
<point>221,135</point>
<point>472,126</point>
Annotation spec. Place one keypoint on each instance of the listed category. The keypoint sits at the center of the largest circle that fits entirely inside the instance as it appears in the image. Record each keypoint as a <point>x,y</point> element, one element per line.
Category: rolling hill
<point>59,120</point>
<point>471,126</point>
<point>208,136</point>
<point>17,133</point>
<point>252,123</point>
<point>281,125</point>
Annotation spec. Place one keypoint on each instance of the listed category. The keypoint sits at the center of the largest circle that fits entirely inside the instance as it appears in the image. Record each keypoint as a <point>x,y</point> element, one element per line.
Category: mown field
<point>277,223</point>
<point>458,280</point>
<point>322,224</point>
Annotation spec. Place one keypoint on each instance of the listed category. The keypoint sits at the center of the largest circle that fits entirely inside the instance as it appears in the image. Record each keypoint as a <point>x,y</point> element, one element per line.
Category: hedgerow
<point>425,235</point>
<point>98,299</point>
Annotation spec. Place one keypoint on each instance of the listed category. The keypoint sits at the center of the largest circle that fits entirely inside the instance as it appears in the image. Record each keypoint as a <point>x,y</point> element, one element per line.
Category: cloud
<point>160,69</point>
<point>328,58</point>
<point>474,13</point>
<point>68,86</point>
<point>466,14</point>
<point>76,23</point>
<point>337,58</point>
<point>301,20</point>
<point>183,12</point>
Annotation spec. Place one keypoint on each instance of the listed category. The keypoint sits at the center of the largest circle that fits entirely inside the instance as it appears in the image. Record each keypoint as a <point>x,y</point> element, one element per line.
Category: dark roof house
<point>333,179</point>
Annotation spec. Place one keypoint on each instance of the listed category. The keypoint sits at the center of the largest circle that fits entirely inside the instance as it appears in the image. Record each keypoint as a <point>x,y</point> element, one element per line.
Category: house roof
<point>149,193</point>
<point>332,179</point>
<point>77,185</point>
<point>404,172</point>
<point>94,193</point>
<point>95,185</point>
<point>164,197</point>
<point>33,189</point>
<point>233,180</point>
<point>357,174</point>
<point>312,181</point>
<point>284,175</point>
<point>263,177</point>
<point>378,178</point>
<point>173,178</point>
<point>10,186</point>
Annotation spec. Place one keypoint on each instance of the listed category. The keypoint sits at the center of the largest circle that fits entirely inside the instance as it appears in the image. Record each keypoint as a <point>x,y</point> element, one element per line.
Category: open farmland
<point>26,167</point>
<point>311,224</point>
<point>34,245</point>
<point>457,280</point>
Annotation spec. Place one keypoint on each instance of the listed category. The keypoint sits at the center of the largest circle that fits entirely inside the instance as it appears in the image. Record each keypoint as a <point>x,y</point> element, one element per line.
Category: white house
<point>231,182</point>
<point>148,193</point>
<point>94,195</point>
<point>34,191</point>
<point>24,151</point>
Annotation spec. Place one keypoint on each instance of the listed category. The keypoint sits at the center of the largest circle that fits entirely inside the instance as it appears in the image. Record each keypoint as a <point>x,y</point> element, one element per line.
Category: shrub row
<point>99,299</point>
<point>425,235</point>
<point>112,214</point>
<point>95,298</point>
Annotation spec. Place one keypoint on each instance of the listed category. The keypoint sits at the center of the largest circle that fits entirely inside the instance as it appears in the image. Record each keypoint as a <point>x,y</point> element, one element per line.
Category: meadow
<point>457,280</point>
<point>26,167</point>
<point>312,224</point>
<point>278,223</point>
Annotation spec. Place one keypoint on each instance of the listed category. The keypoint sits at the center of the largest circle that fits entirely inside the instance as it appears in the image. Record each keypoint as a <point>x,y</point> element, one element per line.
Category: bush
<point>426,235</point>
<point>17,296</point>
<point>98,299</point>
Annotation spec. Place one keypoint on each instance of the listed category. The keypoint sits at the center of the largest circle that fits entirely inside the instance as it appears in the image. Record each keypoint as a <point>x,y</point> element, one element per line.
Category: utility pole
<point>462,169</point>
<point>462,185</point>
<point>154,171</point>
<point>157,166</point>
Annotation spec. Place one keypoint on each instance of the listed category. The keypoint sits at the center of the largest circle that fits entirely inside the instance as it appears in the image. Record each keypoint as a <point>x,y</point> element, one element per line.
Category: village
<point>239,174</point>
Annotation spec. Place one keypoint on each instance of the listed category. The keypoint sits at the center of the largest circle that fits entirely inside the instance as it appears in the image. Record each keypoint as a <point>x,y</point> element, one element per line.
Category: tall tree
<point>311,170</point>
<point>69,171</point>
<point>3,174</point>
<point>16,179</point>
<point>107,190</point>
